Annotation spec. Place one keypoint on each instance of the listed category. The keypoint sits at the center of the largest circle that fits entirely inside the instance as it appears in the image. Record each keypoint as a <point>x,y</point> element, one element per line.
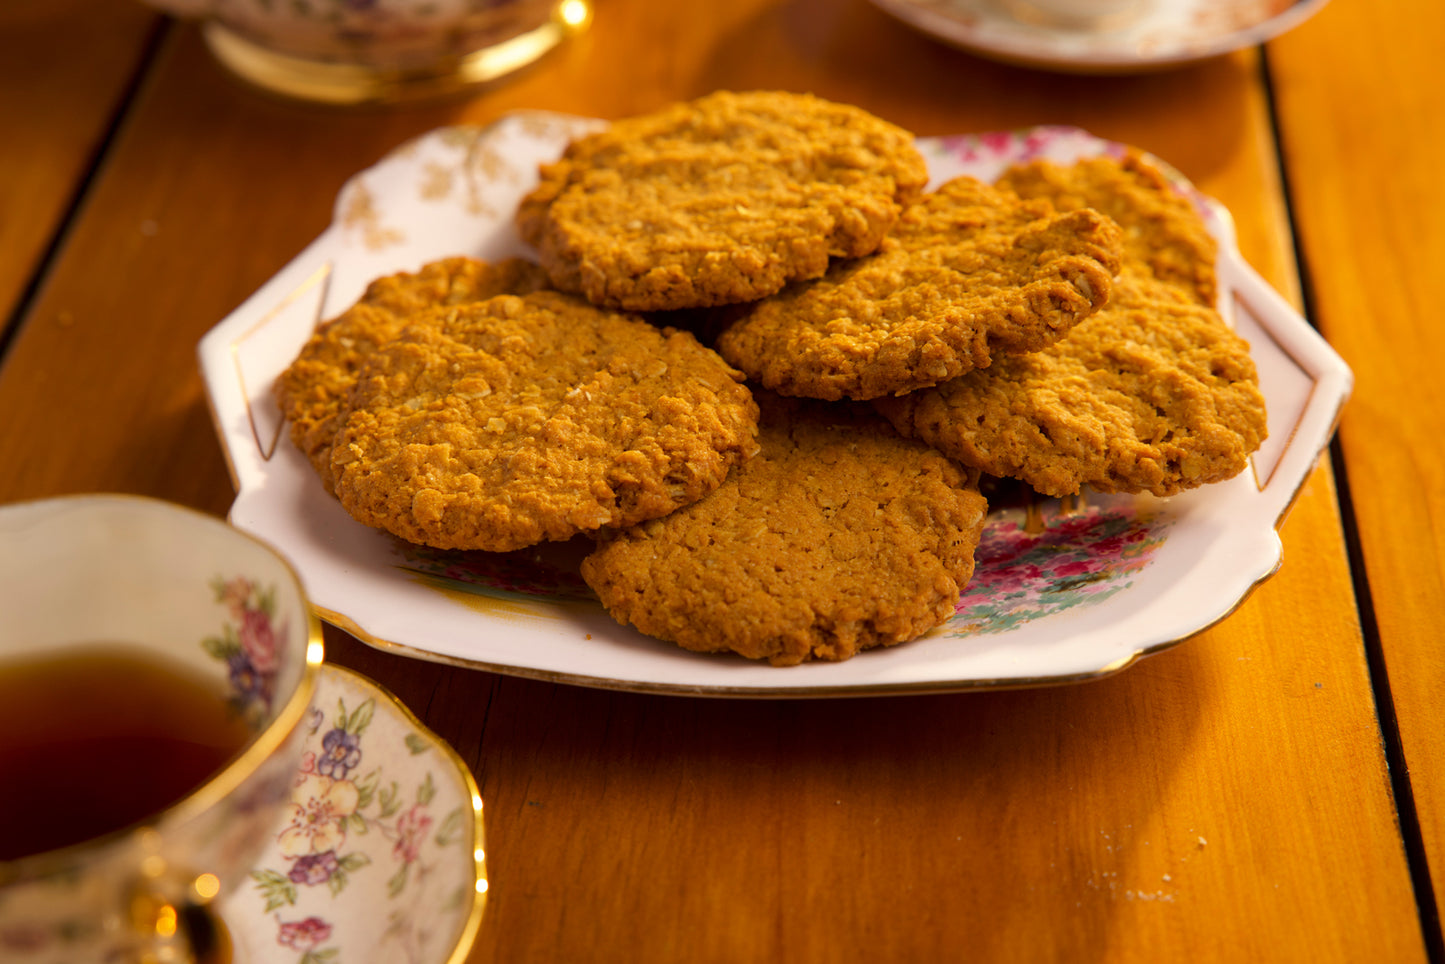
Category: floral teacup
<point>361,51</point>
<point>172,587</point>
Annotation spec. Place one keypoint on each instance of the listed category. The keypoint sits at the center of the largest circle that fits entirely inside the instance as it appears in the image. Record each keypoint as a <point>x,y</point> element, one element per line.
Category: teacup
<point>350,52</point>
<point>183,654</point>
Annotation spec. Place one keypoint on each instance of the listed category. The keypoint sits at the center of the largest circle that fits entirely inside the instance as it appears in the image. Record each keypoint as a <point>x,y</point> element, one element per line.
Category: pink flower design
<point>303,935</point>
<point>999,142</point>
<point>258,639</point>
<point>411,828</point>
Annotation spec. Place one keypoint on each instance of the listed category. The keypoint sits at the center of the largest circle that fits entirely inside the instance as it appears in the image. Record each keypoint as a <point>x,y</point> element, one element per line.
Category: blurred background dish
<point>379,51</point>
<point>1151,35</point>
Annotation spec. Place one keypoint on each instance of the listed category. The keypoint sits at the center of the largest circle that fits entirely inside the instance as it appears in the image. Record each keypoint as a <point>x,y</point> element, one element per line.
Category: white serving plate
<point>1165,33</point>
<point>1108,582</point>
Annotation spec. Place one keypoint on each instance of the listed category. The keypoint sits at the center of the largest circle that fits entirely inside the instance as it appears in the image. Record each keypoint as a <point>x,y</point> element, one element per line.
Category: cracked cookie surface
<point>968,272</point>
<point>839,535</point>
<point>1152,394</point>
<point>517,420</point>
<point>1164,237</point>
<point>719,200</point>
<point>312,392</point>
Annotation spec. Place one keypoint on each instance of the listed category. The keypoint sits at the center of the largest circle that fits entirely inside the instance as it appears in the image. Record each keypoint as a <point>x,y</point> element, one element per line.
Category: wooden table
<point>1273,789</point>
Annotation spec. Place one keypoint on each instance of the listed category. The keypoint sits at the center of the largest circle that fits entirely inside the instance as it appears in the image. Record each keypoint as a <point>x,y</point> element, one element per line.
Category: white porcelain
<point>1156,34</point>
<point>209,598</point>
<point>380,855</point>
<point>1121,578</point>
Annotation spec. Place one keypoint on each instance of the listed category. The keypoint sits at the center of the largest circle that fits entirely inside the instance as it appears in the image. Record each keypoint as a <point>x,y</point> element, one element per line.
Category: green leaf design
<point>390,800</point>
<point>217,647</point>
<point>366,789</point>
<point>397,883</point>
<point>450,829</point>
<point>353,862</point>
<point>426,791</point>
<point>416,743</point>
<point>319,957</point>
<point>276,888</point>
<point>266,600</point>
<point>361,719</point>
<point>358,823</point>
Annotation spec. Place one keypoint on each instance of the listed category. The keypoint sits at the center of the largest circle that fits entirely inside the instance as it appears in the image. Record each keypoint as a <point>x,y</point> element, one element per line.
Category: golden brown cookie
<point>968,272</point>
<point>719,200</point>
<point>1152,394</point>
<point>509,422</point>
<point>1164,236</point>
<point>312,392</point>
<point>837,536</point>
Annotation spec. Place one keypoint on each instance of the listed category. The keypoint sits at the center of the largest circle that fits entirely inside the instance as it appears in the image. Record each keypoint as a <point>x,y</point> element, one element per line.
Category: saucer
<point>1168,33</point>
<point>381,856</point>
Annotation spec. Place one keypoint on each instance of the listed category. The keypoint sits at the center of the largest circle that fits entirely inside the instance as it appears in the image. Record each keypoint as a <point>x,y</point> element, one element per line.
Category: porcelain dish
<point>380,857</point>
<point>1062,592</point>
<point>1165,33</point>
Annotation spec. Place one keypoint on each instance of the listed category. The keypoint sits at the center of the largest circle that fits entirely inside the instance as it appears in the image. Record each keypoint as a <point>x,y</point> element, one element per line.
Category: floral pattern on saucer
<point>379,856</point>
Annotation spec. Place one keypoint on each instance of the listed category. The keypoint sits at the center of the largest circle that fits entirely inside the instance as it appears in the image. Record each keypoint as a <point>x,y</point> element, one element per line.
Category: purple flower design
<point>314,869</point>
<point>340,752</point>
<point>245,681</point>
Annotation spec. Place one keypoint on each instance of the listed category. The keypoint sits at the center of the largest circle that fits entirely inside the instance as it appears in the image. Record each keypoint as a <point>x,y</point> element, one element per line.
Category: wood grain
<point>1363,142</point>
<point>1225,800</point>
<point>65,69</point>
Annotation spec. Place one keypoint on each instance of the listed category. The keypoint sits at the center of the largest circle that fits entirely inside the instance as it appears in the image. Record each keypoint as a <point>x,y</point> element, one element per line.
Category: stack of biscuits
<point>765,371</point>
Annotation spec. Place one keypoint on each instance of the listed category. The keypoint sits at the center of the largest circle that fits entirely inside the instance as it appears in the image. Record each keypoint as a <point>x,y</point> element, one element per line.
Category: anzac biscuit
<point>1152,394</point>
<point>839,535</point>
<point>312,391</point>
<point>968,272</point>
<point>719,200</point>
<point>505,423</point>
<point>1164,236</point>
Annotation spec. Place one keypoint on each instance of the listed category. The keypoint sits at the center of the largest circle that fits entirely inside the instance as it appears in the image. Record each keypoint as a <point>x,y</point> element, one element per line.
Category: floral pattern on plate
<point>549,570</point>
<point>380,854</point>
<point>1033,563</point>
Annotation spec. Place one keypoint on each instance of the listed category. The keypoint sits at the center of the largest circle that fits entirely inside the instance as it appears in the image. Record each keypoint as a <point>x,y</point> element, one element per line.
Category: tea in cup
<point>156,665</point>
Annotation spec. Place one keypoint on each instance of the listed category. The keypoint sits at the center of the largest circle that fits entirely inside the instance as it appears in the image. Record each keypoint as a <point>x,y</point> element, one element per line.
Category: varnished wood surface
<point>1362,141</point>
<point>1226,800</point>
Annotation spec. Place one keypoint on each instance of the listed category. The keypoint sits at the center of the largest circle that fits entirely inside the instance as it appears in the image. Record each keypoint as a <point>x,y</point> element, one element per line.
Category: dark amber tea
<point>96,738</point>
